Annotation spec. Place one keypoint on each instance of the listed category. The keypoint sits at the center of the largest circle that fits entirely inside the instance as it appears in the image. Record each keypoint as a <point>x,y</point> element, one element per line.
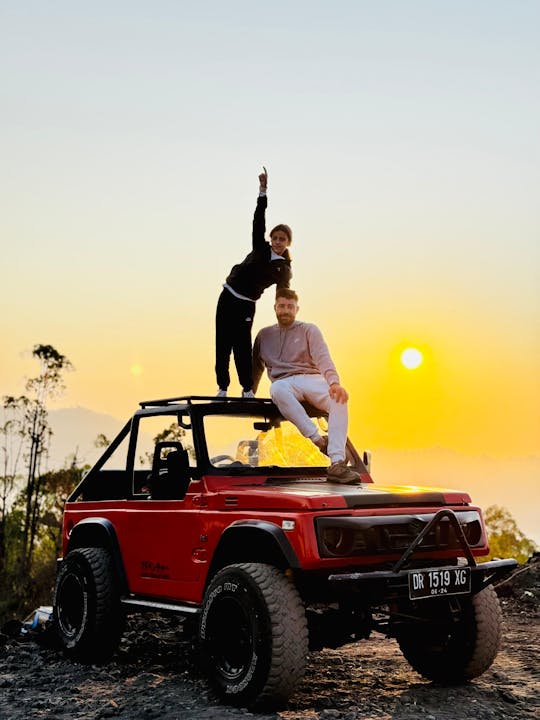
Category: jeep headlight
<point>338,541</point>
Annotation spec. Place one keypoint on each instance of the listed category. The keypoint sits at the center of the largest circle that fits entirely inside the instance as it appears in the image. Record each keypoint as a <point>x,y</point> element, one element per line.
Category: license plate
<point>433,582</point>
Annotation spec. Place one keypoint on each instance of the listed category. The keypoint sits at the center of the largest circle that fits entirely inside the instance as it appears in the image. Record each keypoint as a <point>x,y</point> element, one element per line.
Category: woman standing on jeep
<point>268,263</point>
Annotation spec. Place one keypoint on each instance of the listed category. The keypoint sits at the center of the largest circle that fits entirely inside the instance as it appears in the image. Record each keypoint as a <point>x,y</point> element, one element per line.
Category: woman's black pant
<point>234,320</point>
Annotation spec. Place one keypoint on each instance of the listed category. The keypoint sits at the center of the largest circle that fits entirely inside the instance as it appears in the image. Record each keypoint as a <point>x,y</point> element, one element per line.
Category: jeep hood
<point>283,494</point>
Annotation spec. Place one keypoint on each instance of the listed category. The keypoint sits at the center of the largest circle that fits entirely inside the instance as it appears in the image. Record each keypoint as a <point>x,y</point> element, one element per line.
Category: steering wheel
<point>221,458</point>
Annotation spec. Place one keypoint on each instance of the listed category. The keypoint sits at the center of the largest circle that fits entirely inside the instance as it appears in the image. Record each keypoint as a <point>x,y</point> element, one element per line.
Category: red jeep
<point>220,511</point>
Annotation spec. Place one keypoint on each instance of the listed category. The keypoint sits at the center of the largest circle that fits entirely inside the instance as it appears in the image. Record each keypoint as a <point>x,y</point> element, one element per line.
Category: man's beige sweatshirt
<point>299,349</point>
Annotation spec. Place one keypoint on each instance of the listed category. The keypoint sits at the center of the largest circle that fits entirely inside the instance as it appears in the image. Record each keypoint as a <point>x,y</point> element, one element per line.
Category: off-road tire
<point>454,650</point>
<point>253,635</point>
<point>87,612</point>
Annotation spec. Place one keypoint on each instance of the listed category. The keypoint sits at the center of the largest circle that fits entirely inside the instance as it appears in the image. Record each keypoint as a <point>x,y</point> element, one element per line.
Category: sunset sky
<point>402,144</point>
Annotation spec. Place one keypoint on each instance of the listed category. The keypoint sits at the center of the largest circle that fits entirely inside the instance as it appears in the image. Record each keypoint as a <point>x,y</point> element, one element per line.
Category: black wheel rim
<point>71,605</point>
<point>230,639</point>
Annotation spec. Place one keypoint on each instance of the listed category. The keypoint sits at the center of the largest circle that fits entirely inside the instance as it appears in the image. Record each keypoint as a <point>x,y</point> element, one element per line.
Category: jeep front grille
<point>358,536</point>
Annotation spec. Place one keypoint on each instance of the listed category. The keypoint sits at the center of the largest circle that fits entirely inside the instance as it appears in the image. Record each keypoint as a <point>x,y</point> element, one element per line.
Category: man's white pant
<point>289,392</point>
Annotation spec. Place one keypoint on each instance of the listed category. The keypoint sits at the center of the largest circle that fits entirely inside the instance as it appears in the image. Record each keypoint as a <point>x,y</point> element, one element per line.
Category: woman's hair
<point>284,228</point>
<point>286,293</point>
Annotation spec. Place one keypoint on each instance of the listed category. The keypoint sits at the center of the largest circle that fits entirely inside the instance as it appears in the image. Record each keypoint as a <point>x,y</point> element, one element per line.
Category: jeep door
<point>163,555</point>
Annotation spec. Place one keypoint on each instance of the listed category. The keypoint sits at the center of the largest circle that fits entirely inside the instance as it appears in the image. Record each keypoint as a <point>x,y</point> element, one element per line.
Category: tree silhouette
<point>12,437</point>
<point>29,424</point>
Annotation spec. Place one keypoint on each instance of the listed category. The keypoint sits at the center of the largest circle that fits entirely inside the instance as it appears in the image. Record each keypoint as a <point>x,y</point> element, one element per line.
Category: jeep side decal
<point>151,569</point>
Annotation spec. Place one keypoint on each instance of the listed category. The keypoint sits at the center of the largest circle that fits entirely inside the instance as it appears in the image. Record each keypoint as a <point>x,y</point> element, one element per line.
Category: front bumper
<point>388,585</point>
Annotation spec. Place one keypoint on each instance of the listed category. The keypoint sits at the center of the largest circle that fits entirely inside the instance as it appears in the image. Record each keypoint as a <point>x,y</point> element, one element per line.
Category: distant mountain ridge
<point>75,430</point>
<point>512,482</point>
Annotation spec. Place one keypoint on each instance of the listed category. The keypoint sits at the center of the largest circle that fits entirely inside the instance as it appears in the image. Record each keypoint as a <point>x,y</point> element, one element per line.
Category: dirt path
<point>153,676</point>
<point>373,680</point>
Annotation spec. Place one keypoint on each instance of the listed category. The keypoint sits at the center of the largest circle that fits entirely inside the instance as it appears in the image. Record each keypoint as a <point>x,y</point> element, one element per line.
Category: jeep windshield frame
<point>192,412</point>
<point>265,417</point>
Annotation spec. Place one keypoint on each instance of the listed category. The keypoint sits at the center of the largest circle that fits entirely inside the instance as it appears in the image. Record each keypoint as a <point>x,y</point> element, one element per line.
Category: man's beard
<point>285,319</point>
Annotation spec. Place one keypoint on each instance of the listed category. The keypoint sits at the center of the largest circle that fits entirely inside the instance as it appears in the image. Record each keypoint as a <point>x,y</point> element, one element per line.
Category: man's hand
<point>338,393</point>
<point>263,180</point>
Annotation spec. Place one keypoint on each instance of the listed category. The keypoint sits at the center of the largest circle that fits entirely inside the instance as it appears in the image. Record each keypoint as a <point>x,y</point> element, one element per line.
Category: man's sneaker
<point>248,394</point>
<point>221,393</point>
<point>322,444</point>
<point>340,472</point>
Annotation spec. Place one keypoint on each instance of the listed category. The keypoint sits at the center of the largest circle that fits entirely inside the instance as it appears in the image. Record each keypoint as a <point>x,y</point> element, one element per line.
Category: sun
<point>411,358</point>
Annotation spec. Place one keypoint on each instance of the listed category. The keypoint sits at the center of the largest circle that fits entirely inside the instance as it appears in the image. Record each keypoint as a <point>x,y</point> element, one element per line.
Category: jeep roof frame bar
<point>190,399</point>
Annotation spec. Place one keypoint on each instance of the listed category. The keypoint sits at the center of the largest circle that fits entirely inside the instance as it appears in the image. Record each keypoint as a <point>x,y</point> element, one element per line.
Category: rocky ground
<point>154,676</point>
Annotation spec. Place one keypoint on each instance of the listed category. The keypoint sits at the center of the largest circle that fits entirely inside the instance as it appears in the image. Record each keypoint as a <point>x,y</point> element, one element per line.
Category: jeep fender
<point>99,532</point>
<point>254,541</point>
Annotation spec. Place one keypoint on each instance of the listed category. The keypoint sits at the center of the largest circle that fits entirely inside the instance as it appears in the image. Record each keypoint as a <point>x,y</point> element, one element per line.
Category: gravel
<point>154,674</point>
